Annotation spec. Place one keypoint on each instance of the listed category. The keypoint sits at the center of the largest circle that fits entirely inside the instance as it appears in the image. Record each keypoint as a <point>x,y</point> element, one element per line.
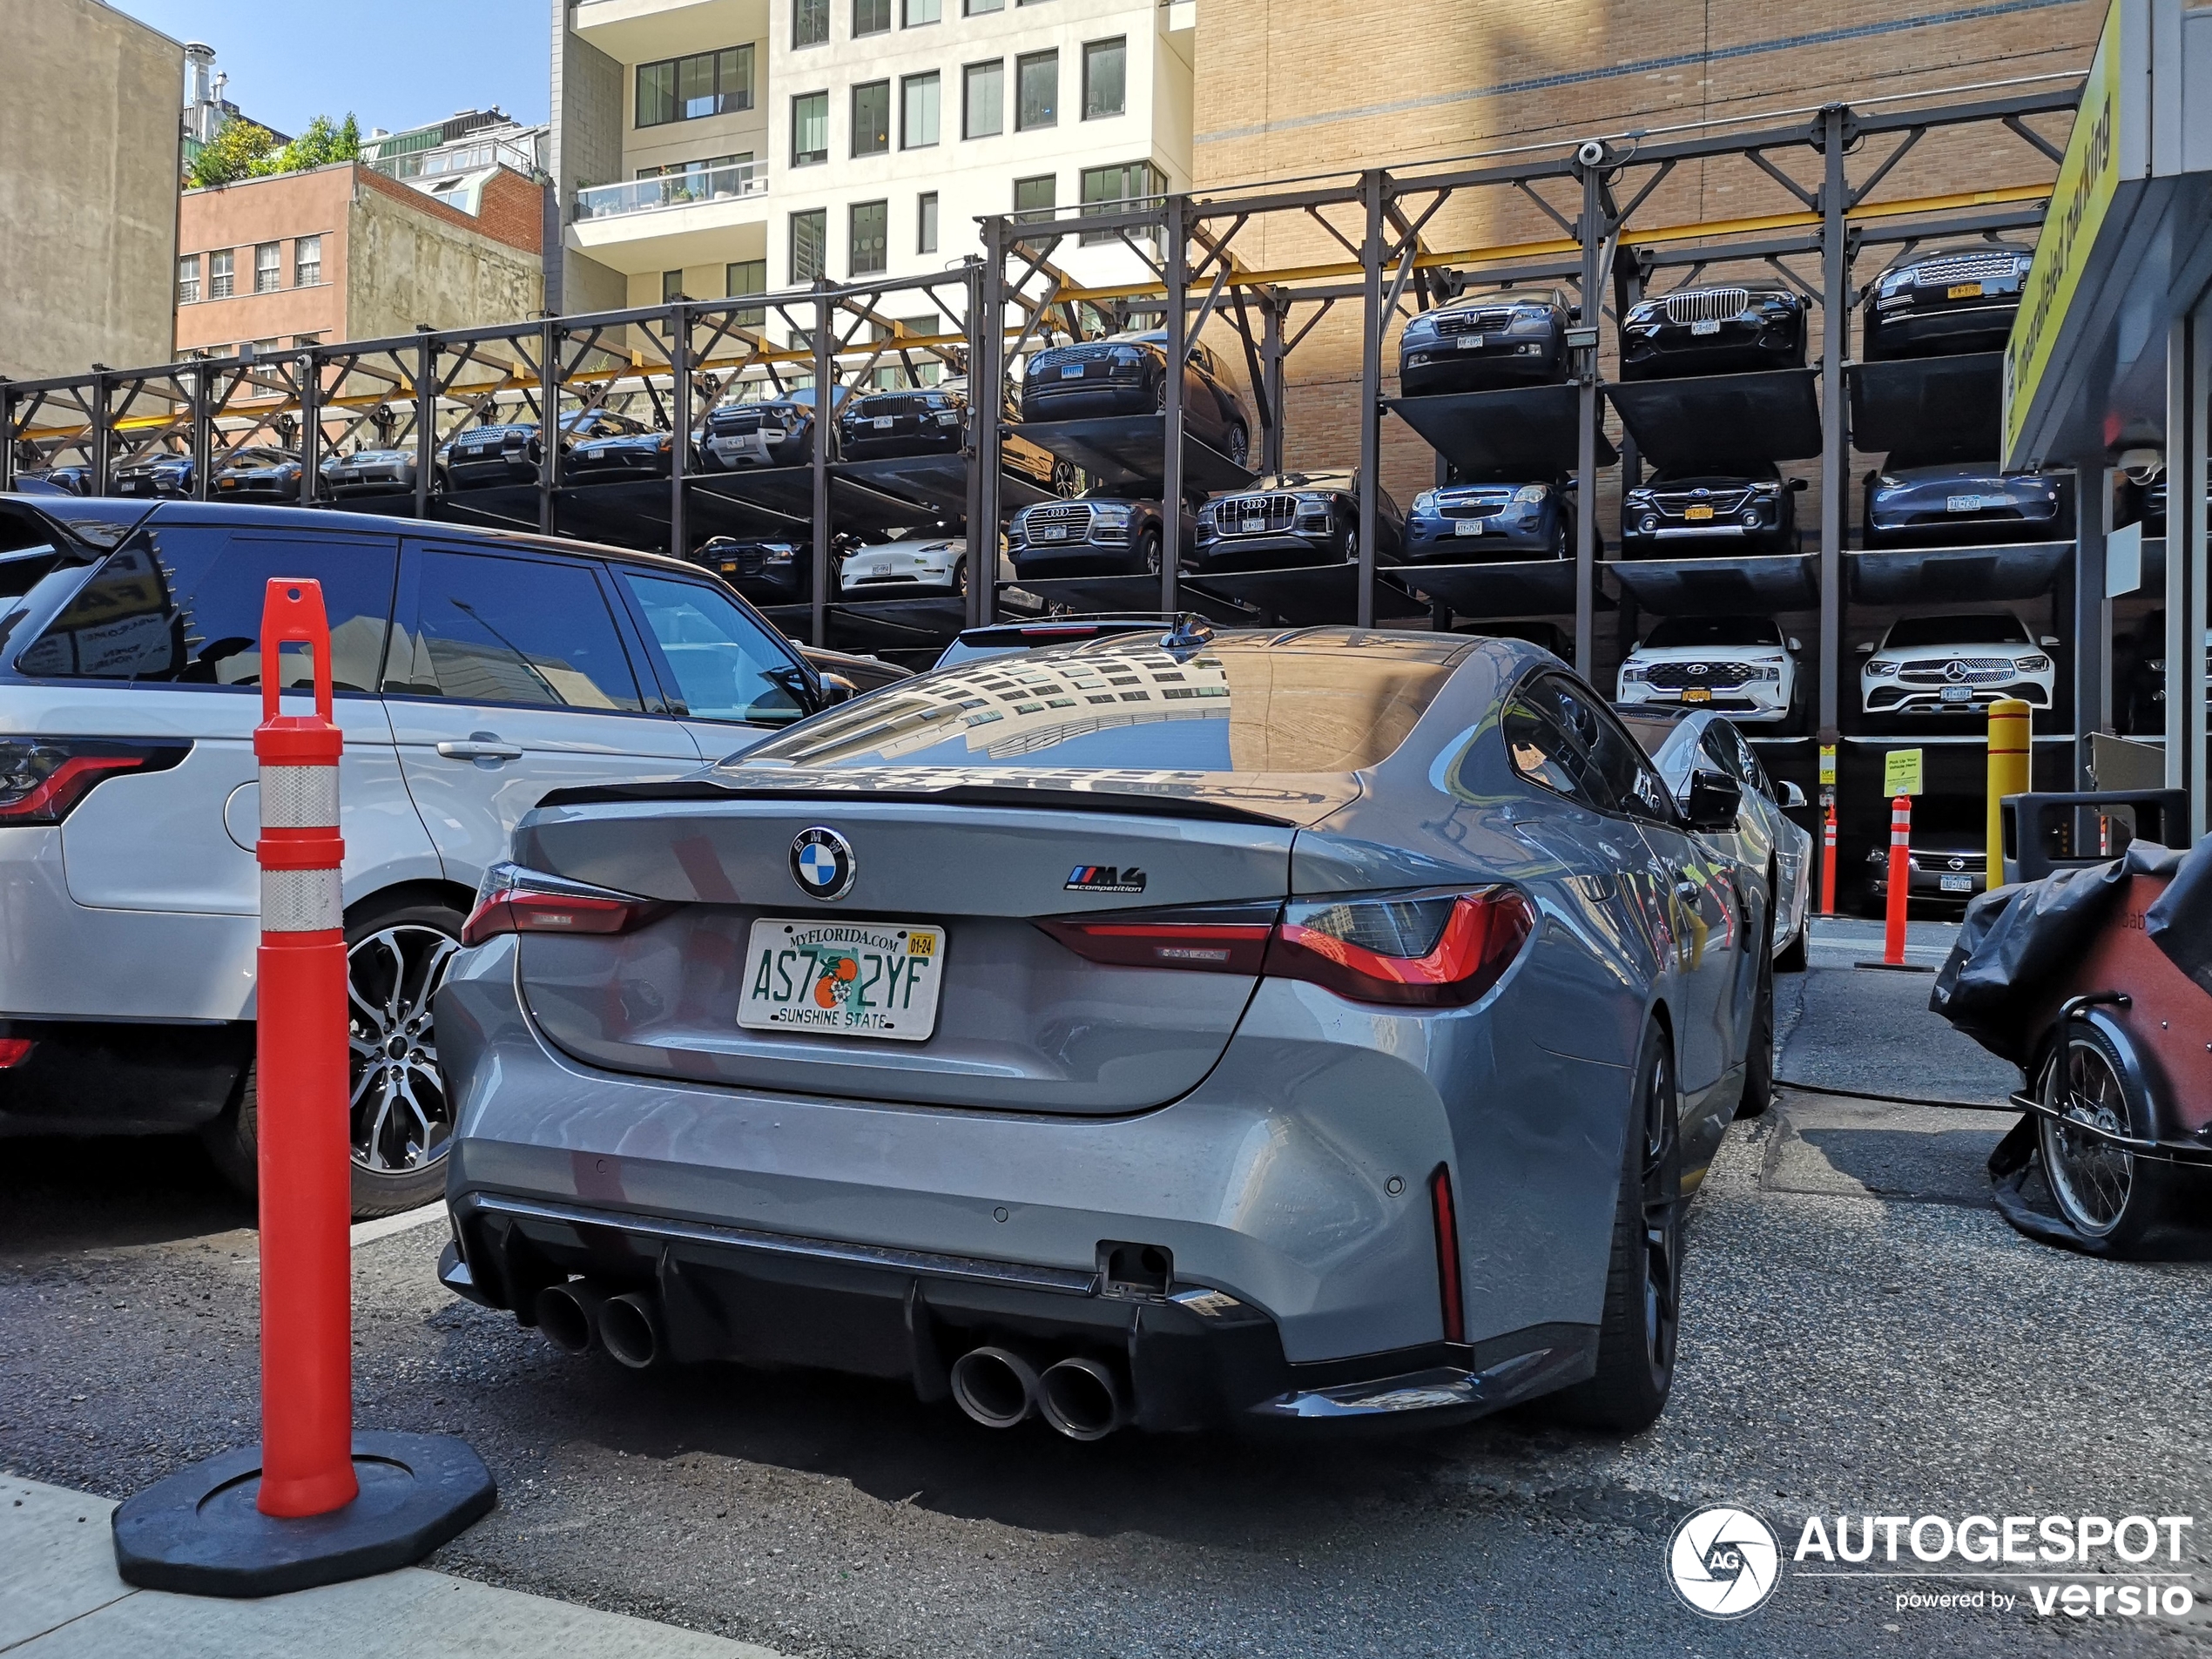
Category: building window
<point>747,277</point>
<point>871,246</point>
<point>306,261</point>
<point>870,16</point>
<point>809,242</point>
<point>1107,188</point>
<point>219,273</point>
<point>1105,78</point>
<point>671,286</point>
<point>268,271</point>
<point>810,22</point>
<point>684,89</point>
<point>1034,199</point>
<point>188,279</point>
<point>980,8</point>
<point>926,219</point>
<point>1038,91</point>
<point>983,99</point>
<point>809,129</point>
<point>871,118</point>
<point>303,341</point>
<point>918,111</point>
<point>923,11</point>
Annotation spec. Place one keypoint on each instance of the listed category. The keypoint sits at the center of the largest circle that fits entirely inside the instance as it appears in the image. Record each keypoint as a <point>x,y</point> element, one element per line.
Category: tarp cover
<point>2019,941</point>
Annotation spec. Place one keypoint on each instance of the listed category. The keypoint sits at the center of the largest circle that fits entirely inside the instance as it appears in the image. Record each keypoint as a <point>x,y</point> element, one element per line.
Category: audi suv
<point>1102,533</point>
<point>1293,518</point>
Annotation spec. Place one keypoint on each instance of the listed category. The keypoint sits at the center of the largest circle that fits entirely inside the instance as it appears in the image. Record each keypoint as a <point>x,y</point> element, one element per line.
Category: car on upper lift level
<point>1503,520</point>
<point>1723,507</point>
<point>1956,664</point>
<point>765,432</point>
<point>1745,667</point>
<point>1293,518</point>
<point>612,455</point>
<point>1104,532</point>
<point>1964,503</point>
<point>509,454</point>
<point>388,470</point>
<point>164,473</point>
<point>1127,375</point>
<point>257,472</point>
<point>1936,301</point>
<point>1714,330</point>
<point>1479,342</point>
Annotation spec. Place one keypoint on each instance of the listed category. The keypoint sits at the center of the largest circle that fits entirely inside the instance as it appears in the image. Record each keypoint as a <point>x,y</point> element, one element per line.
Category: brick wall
<point>512,210</point>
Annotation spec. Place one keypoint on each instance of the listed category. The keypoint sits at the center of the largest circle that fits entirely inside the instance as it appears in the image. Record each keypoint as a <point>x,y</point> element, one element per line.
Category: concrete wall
<point>90,155</point>
<point>587,150</point>
<point>407,262</point>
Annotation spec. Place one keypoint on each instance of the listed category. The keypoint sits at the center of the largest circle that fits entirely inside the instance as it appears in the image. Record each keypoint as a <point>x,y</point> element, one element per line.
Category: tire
<point>2112,1198</point>
<point>1148,552</point>
<point>1349,547</point>
<point>1562,540</point>
<point>1642,1318</point>
<point>1067,479</point>
<point>1240,444</point>
<point>959,578</point>
<point>1758,1053</point>
<point>392,1171</point>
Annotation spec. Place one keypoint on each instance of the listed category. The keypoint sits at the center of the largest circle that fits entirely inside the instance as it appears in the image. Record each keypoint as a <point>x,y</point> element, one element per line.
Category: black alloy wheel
<point>1149,551</point>
<point>1240,444</point>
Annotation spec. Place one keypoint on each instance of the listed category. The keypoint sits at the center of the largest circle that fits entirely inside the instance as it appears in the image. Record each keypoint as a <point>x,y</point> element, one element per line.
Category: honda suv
<point>474,671</point>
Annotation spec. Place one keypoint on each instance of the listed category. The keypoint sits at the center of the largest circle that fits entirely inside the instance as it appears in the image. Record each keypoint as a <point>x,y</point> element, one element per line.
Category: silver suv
<point>474,671</point>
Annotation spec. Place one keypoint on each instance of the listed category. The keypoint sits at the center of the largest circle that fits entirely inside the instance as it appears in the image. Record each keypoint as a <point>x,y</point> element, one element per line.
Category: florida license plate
<point>1697,513</point>
<point>846,978</point>
<point>1955,883</point>
<point>1710,325</point>
<point>1963,291</point>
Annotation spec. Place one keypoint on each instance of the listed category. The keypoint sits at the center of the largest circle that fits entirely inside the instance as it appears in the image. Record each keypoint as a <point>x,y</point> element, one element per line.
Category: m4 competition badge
<point>822,863</point>
<point>1105,878</point>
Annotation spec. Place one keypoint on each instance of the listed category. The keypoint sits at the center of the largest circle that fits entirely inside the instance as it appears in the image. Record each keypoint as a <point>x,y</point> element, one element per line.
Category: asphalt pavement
<point>1862,1334</point>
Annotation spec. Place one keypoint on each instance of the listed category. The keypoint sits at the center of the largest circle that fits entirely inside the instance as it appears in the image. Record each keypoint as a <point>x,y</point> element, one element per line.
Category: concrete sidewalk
<point>60,1598</point>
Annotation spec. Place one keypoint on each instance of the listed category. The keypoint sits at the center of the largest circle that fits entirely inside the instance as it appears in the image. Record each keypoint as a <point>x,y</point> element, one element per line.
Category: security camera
<point>2142,466</point>
<point>1591,153</point>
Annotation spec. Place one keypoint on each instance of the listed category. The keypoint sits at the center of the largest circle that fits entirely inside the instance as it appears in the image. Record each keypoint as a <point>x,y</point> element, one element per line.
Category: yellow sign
<point>1828,766</point>
<point>2087,179</point>
<point>1901,772</point>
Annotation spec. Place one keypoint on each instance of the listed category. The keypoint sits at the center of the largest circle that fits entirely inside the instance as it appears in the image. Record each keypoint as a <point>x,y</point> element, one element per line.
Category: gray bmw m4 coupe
<point>1172,1030</point>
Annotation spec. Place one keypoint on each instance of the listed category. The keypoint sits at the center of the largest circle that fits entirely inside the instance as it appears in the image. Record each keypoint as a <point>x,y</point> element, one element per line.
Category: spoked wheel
<point>959,578</point>
<point>401,1118</point>
<point>1240,445</point>
<point>2107,1194</point>
<point>1151,552</point>
<point>1067,478</point>
<point>1643,1314</point>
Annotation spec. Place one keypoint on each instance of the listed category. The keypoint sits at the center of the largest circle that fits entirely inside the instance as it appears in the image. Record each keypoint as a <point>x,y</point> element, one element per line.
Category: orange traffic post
<point>315,1502</point>
<point>1828,861</point>
<point>1900,879</point>
<point>2009,745</point>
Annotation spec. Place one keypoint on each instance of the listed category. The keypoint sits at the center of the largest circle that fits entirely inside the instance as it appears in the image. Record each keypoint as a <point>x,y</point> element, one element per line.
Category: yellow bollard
<point>2008,766</point>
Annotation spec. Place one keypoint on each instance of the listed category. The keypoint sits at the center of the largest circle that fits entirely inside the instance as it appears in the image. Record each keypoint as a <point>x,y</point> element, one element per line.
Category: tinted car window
<point>726,667</point>
<point>1692,631</point>
<point>1949,631</point>
<point>485,629</point>
<point>182,606</point>
<point>1125,704</point>
<point>1565,741</point>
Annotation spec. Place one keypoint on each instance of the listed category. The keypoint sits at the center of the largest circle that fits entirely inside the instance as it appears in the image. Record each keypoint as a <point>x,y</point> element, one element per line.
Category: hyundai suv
<point>1745,667</point>
<point>474,671</point>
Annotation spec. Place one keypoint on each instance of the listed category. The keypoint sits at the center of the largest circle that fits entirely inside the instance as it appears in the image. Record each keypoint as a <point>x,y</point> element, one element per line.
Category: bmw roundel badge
<point>822,863</point>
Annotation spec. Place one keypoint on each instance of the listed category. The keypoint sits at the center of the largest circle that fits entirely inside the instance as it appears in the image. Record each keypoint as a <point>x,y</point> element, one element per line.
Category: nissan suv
<point>474,671</point>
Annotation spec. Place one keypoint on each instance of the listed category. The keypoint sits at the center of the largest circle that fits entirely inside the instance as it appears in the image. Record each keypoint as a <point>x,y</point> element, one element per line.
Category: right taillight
<point>512,900</point>
<point>43,779</point>
<point>1435,950</point>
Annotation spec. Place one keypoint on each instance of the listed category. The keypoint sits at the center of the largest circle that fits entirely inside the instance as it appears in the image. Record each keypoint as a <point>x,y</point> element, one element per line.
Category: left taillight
<point>1432,950</point>
<point>512,900</point>
<point>42,779</point>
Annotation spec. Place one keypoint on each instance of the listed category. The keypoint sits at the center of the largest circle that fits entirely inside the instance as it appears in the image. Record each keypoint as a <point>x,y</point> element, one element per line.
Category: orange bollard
<point>1828,862</point>
<point>306,1286</point>
<point>1900,879</point>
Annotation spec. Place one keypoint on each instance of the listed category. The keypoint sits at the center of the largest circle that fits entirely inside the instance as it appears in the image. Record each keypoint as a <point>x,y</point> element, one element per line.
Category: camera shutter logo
<point>822,863</point>
<point>1723,1562</point>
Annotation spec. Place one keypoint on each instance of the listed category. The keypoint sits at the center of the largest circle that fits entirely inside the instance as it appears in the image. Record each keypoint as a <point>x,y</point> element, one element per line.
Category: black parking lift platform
<point>1308,596</point>
<point>1912,575</point>
<point>1495,592</point>
<point>858,504</point>
<point>1767,415</point>
<point>1928,408</point>
<point>1132,449</point>
<point>1757,584</point>
<point>936,482</point>
<point>1522,433</point>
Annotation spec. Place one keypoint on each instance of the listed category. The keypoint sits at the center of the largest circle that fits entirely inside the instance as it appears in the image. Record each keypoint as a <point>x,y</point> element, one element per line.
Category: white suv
<point>1743,667</point>
<point>474,671</point>
<point>1956,665</point>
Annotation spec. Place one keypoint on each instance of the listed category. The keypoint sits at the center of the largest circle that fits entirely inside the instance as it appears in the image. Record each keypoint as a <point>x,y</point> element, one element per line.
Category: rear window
<point>1120,705</point>
<point>1957,630</point>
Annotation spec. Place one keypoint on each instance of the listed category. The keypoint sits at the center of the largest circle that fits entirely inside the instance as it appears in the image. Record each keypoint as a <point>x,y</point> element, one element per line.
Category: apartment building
<point>712,147</point>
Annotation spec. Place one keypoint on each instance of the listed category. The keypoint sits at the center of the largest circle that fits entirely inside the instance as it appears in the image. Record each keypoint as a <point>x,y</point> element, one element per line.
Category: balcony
<point>639,32</point>
<point>678,219</point>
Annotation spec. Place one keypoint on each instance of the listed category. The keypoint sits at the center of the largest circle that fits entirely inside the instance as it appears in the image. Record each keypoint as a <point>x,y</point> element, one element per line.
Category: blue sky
<point>395,64</point>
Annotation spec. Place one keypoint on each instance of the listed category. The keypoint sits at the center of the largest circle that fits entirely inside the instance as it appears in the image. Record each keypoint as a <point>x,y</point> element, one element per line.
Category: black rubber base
<point>197,1533</point>
<point>1896,968</point>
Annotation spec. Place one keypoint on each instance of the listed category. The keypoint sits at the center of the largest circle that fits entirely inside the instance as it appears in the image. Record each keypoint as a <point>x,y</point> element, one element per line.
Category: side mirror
<point>1574,313</point>
<point>1799,486</point>
<point>837,689</point>
<point>1864,648</point>
<point>2049,642</point>
<point>1792,796</point>
<point>1713,799</point>
<point>1794,643</point>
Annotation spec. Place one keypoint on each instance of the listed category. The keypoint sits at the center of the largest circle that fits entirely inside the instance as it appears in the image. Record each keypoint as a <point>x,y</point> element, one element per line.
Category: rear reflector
<point>515,901</point>
<point>1447,1254</point>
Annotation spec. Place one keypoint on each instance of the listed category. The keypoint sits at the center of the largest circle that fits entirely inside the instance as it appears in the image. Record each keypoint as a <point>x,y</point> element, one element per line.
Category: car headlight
<point>1771,673</point>
<point>1881,667</point>
<point>1632,672</point>
<point>2034,665</point>
<point>1532,495</point>
<point>780,555</point>
<point>1126,357</point>
<point>1312,503</point>
<point>1884,481</point>
<point>1530,322</point>
<point>667,441</point>
<point>1426,501</point>
<point>1111,518</point>
<point>1639,498</point>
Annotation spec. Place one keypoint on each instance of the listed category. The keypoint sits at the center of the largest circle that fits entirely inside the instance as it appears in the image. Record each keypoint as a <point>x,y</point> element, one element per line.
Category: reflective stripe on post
<point>1900,879</point>
<point>306,1290</point>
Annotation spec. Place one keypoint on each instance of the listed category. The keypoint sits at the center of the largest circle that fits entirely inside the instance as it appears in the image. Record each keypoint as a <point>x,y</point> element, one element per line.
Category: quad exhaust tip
<point>568,1313</point>
<point>1082,1399</point>
<point>995,1388</point>
<point>628,1330</point>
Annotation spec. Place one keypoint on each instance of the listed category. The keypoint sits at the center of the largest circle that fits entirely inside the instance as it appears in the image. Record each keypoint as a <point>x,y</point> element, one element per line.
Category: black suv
<point>1949,299</point>
<point>1742,506</point>
<point>509,454</point>
<point>1102,533</point>
<point>773,432</point>
<point>1293,518</point>
<point>1127,375</point>
<point>1714,331</point>
<point>1513,337</point>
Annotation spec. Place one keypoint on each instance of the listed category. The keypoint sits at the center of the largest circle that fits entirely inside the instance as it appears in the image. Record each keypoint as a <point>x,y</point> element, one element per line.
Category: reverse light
<point>42,779</point>
<point>513,899</point>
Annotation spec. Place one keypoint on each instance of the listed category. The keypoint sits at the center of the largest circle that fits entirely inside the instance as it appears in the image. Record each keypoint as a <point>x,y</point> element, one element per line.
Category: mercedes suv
<point>1956,665</point>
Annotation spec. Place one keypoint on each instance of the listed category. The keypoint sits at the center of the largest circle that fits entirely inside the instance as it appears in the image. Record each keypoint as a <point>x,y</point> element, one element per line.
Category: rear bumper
<point>887,1239</point>
<point>83,1078</point>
